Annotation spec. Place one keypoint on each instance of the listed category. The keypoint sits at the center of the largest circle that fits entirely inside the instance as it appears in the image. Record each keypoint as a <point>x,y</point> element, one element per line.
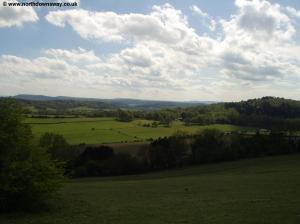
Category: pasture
<point>260,191</point>
<point>109,130</point>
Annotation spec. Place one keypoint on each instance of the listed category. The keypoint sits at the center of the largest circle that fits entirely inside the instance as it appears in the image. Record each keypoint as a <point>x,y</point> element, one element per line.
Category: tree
<point>207,146</point>
<point>169,152</point>
<point>125,116</point>
<point>56,146</point>
<point>28,177</point>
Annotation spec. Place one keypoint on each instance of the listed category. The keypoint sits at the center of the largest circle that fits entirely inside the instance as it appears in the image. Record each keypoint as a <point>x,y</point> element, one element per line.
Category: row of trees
<point>214,146</point>
<point>181,150</point>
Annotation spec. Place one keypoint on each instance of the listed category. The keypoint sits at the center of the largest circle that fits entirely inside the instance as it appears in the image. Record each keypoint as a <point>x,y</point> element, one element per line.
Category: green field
<point>108,130</point>
<point>254,191</point>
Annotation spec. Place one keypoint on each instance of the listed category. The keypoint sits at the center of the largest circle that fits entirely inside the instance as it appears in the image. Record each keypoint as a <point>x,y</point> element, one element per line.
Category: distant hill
<point>67,102</point>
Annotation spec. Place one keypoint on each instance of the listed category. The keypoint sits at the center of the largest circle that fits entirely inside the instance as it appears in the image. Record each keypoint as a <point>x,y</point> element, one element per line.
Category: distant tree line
<point>268,112</point>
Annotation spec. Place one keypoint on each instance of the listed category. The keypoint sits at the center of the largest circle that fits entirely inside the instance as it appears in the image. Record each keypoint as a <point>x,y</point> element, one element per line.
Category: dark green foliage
<point>60,151</point>
<point>207,146</point>
<point>214,146</point>
<point>56,145</point>
<point>210,114</point>
<point>169,152</point>
<point>28,178</point>
<point>268,106</point>
<point>179,150</point>
<point>102,161</point>
<point>96,153</point>
<point>125,116</point>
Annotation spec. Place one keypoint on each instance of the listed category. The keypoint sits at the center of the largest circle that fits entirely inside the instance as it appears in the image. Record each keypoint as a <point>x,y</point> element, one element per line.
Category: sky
<point>226,50</point>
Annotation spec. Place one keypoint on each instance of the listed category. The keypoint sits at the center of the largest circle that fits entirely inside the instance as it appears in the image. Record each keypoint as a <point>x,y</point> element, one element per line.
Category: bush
<point>169,152</point>
<point>102,161</point>
<point>29,179</point>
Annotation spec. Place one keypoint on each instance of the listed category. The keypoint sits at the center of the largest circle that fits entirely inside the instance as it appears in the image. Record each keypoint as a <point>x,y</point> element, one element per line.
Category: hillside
<point>251,191</point>
<point>71,102</point>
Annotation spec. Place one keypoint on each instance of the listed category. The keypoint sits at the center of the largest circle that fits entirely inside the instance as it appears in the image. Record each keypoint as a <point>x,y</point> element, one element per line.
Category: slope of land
<point>264,190</point>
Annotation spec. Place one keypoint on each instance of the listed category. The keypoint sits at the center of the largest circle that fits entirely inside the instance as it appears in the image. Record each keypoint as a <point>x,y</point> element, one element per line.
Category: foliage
<point>28,178</point>
<point>102,161</point>
<point>124,116</point>
<point>56,145</point>
<point>268,106</point>
<point>169,152</point>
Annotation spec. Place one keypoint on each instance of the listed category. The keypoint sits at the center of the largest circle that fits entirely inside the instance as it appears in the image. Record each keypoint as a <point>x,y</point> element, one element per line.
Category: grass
<point>83,109</point>
<point>108,130</point>
<point>260,191</point>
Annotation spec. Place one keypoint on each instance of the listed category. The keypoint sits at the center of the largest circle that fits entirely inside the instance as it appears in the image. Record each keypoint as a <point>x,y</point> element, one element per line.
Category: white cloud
<point>259,43</point>
<point>38,68</point>
<point>80,55</point>
<point>163,24</point>
<point>256,50</point>
<point>16,16</point>
<point>259,20</point>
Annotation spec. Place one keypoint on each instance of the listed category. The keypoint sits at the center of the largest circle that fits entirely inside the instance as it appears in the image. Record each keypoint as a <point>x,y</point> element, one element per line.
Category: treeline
<point>268,112</point>
<point>63,107</point>
<point>268,106</point>
<point>214,146</point>
<point>164,153</point>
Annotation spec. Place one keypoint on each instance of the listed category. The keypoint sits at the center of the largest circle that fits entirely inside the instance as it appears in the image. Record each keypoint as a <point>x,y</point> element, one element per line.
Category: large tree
<point>28,177</point>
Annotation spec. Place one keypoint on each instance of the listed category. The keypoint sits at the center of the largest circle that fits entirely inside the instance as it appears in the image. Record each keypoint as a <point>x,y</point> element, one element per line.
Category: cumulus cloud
<point>259,20</point>
<point>163,24</point>
<point>38,68</point>
<point>259,43</point>
<point>16,16</point>
<point>165,50</point>
<point>255,48</point>
<point>80,55</point>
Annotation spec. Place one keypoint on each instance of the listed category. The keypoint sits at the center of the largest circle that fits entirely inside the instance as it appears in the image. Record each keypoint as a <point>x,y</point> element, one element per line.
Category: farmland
<point>109,130</point>
<point>264,190</point>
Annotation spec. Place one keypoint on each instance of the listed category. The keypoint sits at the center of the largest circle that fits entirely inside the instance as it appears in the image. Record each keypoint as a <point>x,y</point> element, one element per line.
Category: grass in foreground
<point>108,130</point>
<point>264,190</point>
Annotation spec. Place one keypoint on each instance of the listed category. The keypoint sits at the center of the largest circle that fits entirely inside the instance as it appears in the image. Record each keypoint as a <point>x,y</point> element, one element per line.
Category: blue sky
<point>167,50</point>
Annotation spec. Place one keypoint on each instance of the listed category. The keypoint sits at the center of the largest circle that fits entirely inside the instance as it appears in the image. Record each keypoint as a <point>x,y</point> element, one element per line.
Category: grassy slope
<point>251,191</point>
<point>108,130</point>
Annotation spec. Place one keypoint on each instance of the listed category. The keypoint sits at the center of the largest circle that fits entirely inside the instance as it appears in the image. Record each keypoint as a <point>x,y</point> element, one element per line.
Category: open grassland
<point>264,190</point>
<point>109,130</point>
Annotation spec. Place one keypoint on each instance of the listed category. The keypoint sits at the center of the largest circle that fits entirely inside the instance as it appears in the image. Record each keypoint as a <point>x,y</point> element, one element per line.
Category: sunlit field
<point>109,130</point>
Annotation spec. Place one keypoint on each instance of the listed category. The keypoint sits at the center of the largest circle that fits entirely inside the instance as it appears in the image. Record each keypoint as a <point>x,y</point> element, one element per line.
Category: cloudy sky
<point>151,49</point>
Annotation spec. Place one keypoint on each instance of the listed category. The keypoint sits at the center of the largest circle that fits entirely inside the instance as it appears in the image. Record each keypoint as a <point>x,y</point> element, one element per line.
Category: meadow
<point>109,130</point>
<point>260,191</point>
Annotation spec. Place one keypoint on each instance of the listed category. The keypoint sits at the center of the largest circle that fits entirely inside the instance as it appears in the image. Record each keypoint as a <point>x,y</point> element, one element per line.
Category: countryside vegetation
<point>88,161</point>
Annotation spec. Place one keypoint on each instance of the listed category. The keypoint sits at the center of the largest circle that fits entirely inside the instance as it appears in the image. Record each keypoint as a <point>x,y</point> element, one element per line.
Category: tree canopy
<point>28,177</point>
